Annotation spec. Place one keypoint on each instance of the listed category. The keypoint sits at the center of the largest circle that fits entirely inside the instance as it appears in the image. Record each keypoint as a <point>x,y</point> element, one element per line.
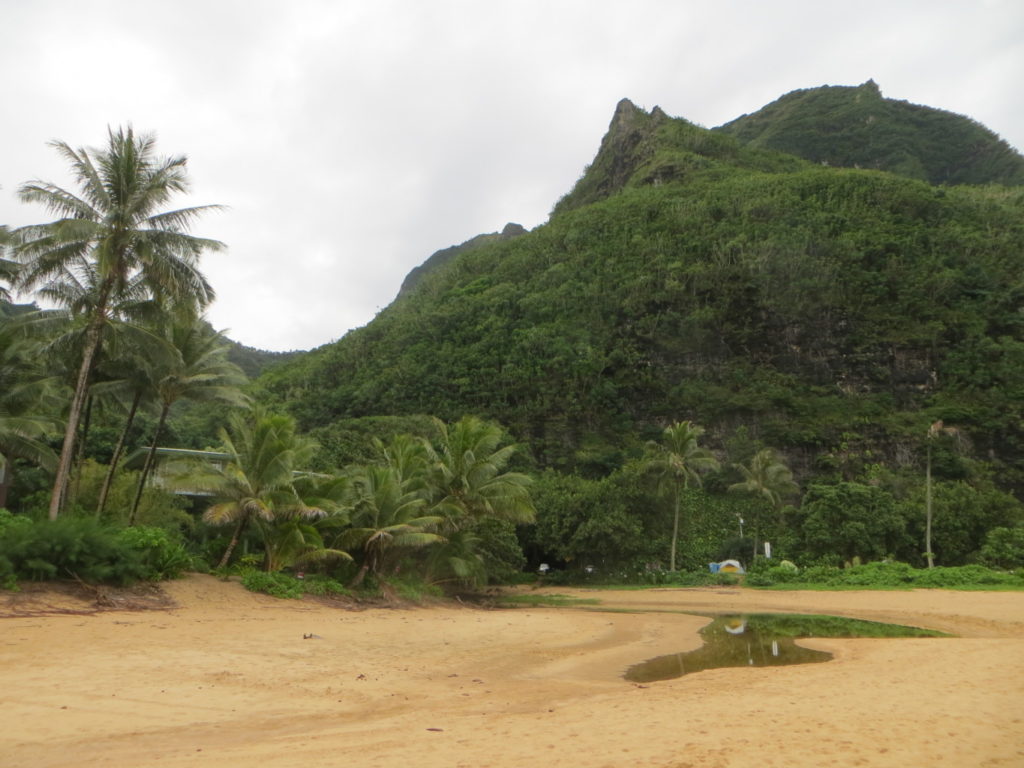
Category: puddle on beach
<point>763,640</point>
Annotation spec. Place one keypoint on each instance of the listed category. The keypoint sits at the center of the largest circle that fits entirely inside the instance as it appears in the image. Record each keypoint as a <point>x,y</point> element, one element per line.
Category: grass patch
<point>557,601</point>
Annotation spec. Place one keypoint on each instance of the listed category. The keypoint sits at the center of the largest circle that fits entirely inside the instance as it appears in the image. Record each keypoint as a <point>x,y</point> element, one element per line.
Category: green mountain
<point>832,313</point>
<point>439,258</point>
<point>855,127</point>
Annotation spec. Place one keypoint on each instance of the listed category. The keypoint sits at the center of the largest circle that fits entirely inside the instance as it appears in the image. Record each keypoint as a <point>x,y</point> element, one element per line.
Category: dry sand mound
<point>224,677</point>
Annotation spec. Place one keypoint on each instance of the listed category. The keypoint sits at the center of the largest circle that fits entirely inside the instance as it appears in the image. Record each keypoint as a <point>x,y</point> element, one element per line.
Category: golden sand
<point>229,678</point>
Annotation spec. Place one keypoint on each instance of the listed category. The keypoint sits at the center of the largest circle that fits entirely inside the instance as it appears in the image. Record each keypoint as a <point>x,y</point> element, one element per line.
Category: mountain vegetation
<point>855,127</point>
<point>807,291</point>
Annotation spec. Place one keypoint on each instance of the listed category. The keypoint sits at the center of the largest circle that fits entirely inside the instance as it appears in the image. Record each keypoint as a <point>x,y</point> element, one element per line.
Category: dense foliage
<point>846,344</point>
<point>855,127</point>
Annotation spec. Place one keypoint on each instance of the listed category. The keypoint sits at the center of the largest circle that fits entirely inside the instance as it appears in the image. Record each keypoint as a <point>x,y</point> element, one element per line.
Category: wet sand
<point>225,677</point>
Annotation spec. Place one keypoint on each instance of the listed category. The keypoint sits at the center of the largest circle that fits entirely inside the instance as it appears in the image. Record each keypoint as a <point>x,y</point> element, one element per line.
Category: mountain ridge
<point>833,313</point>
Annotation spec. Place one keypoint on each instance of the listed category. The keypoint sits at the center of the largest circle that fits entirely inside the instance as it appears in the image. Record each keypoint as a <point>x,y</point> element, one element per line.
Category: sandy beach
<point>223,677</point>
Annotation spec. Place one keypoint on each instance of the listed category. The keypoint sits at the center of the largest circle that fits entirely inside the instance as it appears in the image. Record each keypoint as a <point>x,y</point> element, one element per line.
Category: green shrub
<point>414,589</point>
<point>274,584</point>
<point>1003,548</point>
<point>70,548</point>
<point>964,576</point>
<point>315,584</point>
<point>163,556</point>
<point>883,574</point>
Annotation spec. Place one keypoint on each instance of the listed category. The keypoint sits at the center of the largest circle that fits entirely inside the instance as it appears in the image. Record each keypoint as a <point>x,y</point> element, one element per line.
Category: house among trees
<point>178,458</point>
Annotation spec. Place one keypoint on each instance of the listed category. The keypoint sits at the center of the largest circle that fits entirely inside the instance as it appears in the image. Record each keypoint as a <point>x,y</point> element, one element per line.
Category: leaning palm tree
<point>767,478</point>
<point>131,383</point>
<point>257,482</point>
<point>679,461</point>
<point>199,371</point>
<point>116,224</point>
<point>133,340</point>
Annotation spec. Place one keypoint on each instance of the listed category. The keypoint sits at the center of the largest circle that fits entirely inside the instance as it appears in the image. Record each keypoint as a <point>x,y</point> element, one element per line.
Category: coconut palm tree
<point>679,461</point>
<point>386,519</point>
<point>766,478</point>
<point>133,340</point>
<point>257,482</point>
<point>131,383</point>
<point>468,478</point>
<point>8,269</point>
<point>199,371</point>
<point>116,224</point>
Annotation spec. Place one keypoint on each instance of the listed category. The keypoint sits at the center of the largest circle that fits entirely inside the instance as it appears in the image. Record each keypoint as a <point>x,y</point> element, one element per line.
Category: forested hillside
<point>855,127</point>
<point>711,345</point>
<point>832,313</point>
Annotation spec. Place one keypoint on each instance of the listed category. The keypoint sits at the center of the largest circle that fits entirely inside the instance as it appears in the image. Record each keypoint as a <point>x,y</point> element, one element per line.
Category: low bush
<point>274,584</point>
<point>287,587</point>
<point>163,556</point>
<point>86,549</point>
<point>70,547</point>
<point>886,575</point>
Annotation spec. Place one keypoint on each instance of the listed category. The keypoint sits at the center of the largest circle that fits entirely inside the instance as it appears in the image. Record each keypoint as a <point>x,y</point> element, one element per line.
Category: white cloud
<point>351,140</point>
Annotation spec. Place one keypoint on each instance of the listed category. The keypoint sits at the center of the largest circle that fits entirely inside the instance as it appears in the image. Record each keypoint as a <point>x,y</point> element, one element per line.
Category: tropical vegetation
<point>716,342</point>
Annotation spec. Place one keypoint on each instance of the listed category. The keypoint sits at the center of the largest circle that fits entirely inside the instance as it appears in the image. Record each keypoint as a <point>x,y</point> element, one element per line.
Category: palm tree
<point>257,482</point>
<point>131,383</point>
<point>766,478</point>
<point>679,461</point>
<point>23,392</point>
<point>115,226</point>
<point>199,371</point>
<point>934,431</point>
<point>8,269</point>
<point>467,478</point>
<point>133,342</point>
<point>386,519</point>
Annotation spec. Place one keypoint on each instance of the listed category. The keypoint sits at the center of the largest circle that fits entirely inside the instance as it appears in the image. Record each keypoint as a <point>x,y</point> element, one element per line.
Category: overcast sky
<point>353,138</point>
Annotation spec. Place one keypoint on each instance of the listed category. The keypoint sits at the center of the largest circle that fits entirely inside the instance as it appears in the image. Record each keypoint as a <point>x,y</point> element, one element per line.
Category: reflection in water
<point>729,641</point>
<point>763,640</point>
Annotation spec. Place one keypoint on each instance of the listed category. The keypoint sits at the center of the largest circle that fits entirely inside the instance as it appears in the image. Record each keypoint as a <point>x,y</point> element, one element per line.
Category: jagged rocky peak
<point>626,145</point>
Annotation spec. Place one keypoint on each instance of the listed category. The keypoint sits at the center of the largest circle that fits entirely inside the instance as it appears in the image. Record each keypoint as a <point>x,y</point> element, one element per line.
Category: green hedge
<point>86,549</point>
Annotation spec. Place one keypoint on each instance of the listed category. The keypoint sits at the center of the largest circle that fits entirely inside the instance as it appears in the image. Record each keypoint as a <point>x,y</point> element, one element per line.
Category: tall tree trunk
<point>76,466</point>
<point>109,479</point>
<point>234,542</point>
<point>6,472</point>
<point>675,533</point>
<point>67,451</point>
<point>150,458</point>
<point>928,509</point>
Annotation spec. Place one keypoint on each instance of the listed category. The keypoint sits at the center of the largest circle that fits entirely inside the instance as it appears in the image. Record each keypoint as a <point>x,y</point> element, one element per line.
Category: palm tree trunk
<point>150,458</point>
<point>6,471</point>
<point>675,534</point>
<point>233,543</point>
<point>928,510</point>
<point>76,471</point>
<point>67,451</point>
<point>116,457</point>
